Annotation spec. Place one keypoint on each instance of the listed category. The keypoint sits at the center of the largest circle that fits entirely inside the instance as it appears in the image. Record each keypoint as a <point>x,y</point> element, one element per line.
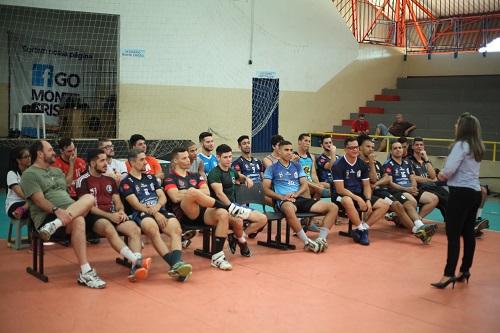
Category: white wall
<point>207,43</point>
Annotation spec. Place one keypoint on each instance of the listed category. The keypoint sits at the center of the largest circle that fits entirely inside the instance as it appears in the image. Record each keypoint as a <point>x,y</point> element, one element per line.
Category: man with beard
<point>145,203</point>
<point>246,163</point>
<point>116,169</point>
<point>51,207</point>
<point>108,215</point>
<point>207,146</point>
<point>153,167</point>
<point>70,164</point>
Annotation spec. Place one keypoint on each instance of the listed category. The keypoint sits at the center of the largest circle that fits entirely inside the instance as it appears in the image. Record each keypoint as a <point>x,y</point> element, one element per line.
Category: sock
<point>219,244</point>
<point>479,212</point>
<point>220,204</point>
<point>323,232</point>
<point>138,255</point>
<point>173,257</point>
<point>242,239</point>
<point>85,268</point>
<point>361,227</point>
<point>57,223</point>
<point>365,225</point>
<point>302,235</point>
<point>418,224</point>
<point>125,251</point>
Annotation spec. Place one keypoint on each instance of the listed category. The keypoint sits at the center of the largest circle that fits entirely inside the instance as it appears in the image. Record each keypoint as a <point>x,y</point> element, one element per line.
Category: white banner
<point>47,76</point>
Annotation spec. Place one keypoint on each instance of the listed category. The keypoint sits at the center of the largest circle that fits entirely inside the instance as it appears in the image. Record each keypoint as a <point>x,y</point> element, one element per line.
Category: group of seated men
<point>113,198</point>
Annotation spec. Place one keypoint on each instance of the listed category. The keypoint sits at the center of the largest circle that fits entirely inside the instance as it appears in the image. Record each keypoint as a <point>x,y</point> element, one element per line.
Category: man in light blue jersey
<point>285,182</point>
<point>207,145</point>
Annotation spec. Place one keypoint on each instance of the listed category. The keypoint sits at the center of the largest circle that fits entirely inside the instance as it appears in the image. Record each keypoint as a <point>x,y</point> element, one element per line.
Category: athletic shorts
<point>303,204</point>
<point>199,221</point>
<point>393,195</point>
<point>337,199</point>
<point>137,217</point>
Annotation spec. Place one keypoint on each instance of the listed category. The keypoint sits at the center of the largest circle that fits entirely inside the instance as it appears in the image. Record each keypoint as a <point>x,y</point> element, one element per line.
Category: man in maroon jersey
<point>108,215</point>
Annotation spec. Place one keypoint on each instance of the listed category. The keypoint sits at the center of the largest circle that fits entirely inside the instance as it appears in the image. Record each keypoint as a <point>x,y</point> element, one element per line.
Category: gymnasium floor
<point>379,288</point>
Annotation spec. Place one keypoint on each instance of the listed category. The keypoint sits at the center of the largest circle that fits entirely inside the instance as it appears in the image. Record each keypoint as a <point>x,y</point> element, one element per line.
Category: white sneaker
<point>91,280</point>
<point>322,243</point>
<point>219,260</point>
<point>312,246</point>
<point>239,211</point>
<point>46,231</point>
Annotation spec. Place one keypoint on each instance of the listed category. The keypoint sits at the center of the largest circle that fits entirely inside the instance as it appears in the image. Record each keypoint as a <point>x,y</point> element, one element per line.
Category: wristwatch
<point>54,209</point>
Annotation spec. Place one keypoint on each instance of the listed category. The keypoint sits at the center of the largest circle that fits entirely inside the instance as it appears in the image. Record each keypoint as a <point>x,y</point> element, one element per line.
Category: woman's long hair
<point>469,130</point>
<point>15,154</point>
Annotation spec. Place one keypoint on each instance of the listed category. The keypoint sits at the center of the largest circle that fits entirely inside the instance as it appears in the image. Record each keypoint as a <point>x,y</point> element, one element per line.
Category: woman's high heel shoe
<point>464,276</point>
<point>444,284</point>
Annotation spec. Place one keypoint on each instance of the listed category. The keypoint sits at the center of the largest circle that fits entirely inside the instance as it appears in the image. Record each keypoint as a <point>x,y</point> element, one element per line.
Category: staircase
<point>434,104</point>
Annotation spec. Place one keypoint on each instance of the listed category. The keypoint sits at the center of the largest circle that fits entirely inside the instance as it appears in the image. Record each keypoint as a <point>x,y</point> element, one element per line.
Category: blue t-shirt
<point>400,172</point>
<point>210,162</point>
<point>351,174</point>
<point>285,179</point>
<point>251,169</point>
<point>144,189</point>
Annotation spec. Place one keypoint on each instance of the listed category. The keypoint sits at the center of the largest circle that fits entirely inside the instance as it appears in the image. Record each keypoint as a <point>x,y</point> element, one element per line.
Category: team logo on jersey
<point>295,174</point>
<point>137,188</point>
<point>307,170</point>
<point>358,174</point>
<point>388,170</point>
<point>280,174</point>
<point>149,176</point>
<point>192,182</point>
<point>234,180</point>
<point>109,189</point>
<point>181,183</point>
<point>126,186</point>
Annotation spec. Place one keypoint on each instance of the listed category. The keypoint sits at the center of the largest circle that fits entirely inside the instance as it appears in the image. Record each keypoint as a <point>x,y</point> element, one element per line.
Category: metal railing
<point>494,144</point>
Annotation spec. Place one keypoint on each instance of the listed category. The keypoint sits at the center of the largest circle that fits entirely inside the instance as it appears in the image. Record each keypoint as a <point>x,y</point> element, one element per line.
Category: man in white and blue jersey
<point>308,163</point>
<point>207,146</point>
<point>246,163</point>
<point>353,191</point>
<point>402,178</point>
<point>285,182</point>
<point>145,204</point>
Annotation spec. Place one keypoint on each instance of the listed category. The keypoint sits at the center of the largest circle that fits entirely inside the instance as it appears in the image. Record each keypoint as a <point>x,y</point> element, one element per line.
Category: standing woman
<point>461,171</point>
<point>15,203</point>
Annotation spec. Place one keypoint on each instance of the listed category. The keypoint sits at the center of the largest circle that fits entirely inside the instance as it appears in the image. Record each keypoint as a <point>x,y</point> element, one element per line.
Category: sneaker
<point>46,231</point>
<point>425,232</point>
<point>479,234</point>
<point>312,246</point>
<point>356,235</point>
<point>390,216</point>
<point>239,211</point>
<point>91,280</point>
<point>188,234</point>
<point>219,261</point>
<point>481,224</point>
<point>245,250</point>
<point>137,273</point>
<point>185,243</point>
<point>254,234</point>
<point>232,242</point>
<point>322,243</point>
<point>181,271</point>
<point>145,263</point>
<point>364,238</point>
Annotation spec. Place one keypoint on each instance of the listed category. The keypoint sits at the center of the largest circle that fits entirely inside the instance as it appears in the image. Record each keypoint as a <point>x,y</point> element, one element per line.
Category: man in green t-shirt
<point>51,207</point>
<point>222,182</point>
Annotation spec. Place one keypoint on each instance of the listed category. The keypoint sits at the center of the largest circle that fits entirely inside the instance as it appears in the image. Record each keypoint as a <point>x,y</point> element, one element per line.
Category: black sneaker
<point>245,250</point>
<point>481,224</point>
<point>479,234</point>
<point>232,241</point>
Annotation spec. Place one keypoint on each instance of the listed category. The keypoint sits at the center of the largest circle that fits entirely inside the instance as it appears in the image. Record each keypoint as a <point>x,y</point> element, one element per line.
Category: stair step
<point>348,122</point>
<point>387,98</point>
<point>370,109</point>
